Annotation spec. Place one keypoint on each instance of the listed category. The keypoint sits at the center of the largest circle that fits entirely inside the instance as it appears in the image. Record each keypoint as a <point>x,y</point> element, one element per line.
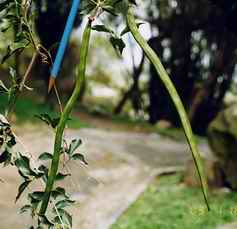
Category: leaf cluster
<point>60,199</point>
<point>17,16</point>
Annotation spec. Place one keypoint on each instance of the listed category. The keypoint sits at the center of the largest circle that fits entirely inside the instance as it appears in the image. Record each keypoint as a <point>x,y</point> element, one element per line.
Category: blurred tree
<point>51,20</point>
<point>50,23</point>
<point>197,43</point>
<point>133,93</point>
<point>196,40</point>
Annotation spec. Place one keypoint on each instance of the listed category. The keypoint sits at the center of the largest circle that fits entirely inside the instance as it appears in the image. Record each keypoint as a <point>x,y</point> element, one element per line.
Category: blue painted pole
<point>64,42</point>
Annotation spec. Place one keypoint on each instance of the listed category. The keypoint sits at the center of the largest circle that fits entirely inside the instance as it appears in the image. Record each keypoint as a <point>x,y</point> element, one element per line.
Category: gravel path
<point>121,165</point>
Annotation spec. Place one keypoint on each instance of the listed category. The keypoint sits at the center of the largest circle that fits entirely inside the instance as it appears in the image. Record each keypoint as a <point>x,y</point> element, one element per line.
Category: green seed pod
<point>154,59</point>
<point>64,117</point>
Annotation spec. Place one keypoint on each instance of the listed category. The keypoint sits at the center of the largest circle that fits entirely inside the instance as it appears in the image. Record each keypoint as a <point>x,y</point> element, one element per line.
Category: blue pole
<point>64,41</point>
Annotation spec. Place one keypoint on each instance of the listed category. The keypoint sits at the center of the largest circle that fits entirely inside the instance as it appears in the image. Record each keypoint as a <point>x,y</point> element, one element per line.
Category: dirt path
<point>121,165</point>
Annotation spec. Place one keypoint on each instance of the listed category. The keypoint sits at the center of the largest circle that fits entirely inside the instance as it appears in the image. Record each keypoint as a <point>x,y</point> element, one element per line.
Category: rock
<point>163,124</point>
<point>222,137</point>
<point>212,171</point>
<point>230,99</point>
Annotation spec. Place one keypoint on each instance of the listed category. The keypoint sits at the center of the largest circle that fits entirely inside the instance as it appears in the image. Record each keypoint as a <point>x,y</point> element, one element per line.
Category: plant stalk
<point>64,117</point>
<point>154,59</point>
<point>20,86</point>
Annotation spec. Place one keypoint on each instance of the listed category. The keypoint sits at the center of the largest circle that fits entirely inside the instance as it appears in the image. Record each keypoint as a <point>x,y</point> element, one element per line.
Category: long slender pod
<point>151,55</point>
<point>64,117</point>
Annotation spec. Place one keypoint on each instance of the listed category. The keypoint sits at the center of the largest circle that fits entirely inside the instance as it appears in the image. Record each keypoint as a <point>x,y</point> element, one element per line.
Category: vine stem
<point>13,98</point>
<point>28,71</point>
<point>154,59</point>
<point>64,117</point>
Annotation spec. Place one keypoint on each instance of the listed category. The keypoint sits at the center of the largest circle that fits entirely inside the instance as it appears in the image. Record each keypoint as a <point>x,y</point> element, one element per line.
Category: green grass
<point>172,133</point>
<point>176,134</point>
<point>124,119</point>
<point>168,205</point>
<point>26,110</point>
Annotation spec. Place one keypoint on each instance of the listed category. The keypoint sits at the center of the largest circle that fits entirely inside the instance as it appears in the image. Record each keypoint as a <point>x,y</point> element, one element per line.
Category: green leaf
<point>45,156</point>
<point>38,196</point>
<point>80,157</point>
<point>7,55</point>
<point>132,2</point>
<point>34,204</point>
<point>43,173</point>
<point>16,48</point>
<point>25,208</point>
<point>21,189</point>
<point>4,5</point>
<point>109,9</point>
<point>102,28</point>
<point>87,7</point>
<point>59,192</point>
<point>53,122</point>
<point>113,2</point>
<point>3,121</point>
<point>23,165</point>
<point>1,142</point>
<point>6,28</point>
<point>73,146</point>
<point>35,199</point>
<point>45,221</point>
<point>43,168</point>
<point>65,216</point>
<point>61,176</point>
<point>127,30</point>
<point>118,44</point>
<point>5,156</point>
<point>8,161</point>
<point>13,75</point>
<point>3,88</point>
<point>64,203</point>
<point>45,118</point>
<point>11,142</point>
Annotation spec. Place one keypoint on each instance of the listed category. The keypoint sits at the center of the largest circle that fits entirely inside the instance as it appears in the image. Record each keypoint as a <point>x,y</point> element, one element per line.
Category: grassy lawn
<point>168,205</point>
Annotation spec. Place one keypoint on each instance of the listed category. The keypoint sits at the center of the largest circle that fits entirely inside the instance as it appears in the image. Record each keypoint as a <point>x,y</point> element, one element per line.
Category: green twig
<point>151,55</point>
<point>18,88</point>
<point>64,117</point>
